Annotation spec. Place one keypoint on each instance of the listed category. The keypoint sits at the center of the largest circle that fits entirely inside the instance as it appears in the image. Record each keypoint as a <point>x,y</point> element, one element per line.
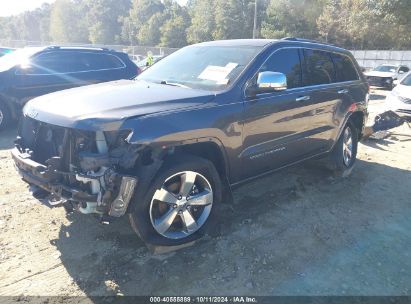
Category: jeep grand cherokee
<point>163,148</point>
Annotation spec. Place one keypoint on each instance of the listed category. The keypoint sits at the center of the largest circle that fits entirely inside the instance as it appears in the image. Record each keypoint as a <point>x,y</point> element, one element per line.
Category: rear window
<point>345,69</point>
<point>52,62</point>
<point>319,68</point>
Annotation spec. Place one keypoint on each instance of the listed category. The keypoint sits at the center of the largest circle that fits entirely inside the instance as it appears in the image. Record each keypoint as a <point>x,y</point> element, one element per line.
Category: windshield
<point>17,57</point>
<point>202,67</point>
<point>386,68</point>
<point>407,80</point>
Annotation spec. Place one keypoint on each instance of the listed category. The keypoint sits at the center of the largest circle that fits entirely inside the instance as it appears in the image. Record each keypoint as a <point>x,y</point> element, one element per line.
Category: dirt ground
<point>297,232</point>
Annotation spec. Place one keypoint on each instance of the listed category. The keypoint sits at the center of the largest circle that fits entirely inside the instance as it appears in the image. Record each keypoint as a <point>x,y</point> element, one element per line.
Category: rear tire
<point>344,153</point>
<point>165,196</point>
<point>5,116</point>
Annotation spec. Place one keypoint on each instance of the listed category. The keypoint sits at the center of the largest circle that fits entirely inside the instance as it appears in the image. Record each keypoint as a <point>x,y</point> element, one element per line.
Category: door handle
<point>345,91</point>
<point>303,98</point>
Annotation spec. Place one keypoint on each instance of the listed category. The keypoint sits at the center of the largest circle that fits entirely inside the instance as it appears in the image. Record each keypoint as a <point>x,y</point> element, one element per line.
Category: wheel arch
<point>208,148</point>
<point>211,150</point>
<point>357,118</point>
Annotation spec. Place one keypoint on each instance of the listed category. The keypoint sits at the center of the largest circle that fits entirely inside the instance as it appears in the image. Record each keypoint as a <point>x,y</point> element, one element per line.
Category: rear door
<point>320,78</point>
<point>350,87</point>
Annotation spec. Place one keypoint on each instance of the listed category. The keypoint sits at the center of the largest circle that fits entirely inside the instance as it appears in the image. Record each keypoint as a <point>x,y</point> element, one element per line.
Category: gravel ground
<point>296,232</point>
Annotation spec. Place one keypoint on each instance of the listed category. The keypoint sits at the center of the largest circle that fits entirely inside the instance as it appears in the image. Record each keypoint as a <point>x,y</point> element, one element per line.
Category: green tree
<point>103,18</point>
<point>149,33</point>
<point>142,24</point>
<point>202,20</point>
<point>231,20</point>
<point>396,21</point>
<point>176,21</point>
<point>67,22</point>
<point>295,18</point>
<point>362,24</point>
<point>28,25</point>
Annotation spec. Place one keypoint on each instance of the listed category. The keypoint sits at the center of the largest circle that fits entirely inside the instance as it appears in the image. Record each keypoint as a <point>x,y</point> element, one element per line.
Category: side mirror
<point>396,82</point>
<point>271,82</point>
<point>401,72</point>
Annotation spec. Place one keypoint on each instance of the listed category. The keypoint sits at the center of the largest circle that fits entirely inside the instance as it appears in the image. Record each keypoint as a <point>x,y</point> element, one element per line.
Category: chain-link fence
<point>131,50</point>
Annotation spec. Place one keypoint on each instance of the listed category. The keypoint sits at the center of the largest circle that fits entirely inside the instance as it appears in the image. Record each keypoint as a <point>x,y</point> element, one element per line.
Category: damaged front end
<point>90,171</point>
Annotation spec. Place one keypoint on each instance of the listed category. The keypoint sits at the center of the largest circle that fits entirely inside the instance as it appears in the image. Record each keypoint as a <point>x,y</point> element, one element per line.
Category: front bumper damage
<point>381,82</point>
<point>105,192</point>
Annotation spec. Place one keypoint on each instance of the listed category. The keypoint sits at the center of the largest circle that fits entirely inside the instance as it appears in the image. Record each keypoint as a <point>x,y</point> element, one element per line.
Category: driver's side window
<point>286,61</point>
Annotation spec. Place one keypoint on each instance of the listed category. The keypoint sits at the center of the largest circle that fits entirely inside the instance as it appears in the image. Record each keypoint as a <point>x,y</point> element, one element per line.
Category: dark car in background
<point>165,147</point>
<point>34,71</point>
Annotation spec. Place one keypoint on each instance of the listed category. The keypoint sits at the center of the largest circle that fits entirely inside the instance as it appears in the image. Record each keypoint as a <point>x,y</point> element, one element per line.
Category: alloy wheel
<point>347,147</point>
<point>182,205</point>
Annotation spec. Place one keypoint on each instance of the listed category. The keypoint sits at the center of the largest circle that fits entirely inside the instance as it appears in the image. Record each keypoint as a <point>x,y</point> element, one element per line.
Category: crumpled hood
<point>380,74</point>
<point>106,106</point>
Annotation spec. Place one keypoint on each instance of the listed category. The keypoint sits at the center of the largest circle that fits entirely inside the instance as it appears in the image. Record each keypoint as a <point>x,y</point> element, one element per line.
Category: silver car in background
<point>384,75</point>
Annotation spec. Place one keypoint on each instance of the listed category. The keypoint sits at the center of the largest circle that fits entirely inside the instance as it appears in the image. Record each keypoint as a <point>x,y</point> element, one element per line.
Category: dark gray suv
<point>165,147</point>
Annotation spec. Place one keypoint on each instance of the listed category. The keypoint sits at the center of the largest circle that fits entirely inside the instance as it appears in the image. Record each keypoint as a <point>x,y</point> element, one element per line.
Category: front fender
<point>217,124</point>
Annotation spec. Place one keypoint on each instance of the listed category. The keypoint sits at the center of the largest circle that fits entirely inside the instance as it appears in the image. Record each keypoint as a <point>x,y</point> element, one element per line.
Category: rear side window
<point>54,62</point>
<point>286,61</point>
<point>318,68</point>
<point>72,62</point>
<point>345,69</point>
<point>93,61</point>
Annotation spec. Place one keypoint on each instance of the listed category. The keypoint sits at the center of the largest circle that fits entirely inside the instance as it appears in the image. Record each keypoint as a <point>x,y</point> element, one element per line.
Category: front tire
<point>179,204</point>
<point>344,153</point>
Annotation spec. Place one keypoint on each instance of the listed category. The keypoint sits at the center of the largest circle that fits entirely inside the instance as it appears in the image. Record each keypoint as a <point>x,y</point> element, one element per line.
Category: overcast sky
<point>14,7</point>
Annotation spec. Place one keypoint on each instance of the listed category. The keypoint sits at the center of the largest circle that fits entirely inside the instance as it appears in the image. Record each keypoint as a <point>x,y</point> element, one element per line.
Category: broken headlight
<point>117,138</point>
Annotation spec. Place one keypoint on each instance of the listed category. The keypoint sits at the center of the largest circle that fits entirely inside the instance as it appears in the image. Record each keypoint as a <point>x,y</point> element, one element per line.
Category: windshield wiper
<point>175,84</point>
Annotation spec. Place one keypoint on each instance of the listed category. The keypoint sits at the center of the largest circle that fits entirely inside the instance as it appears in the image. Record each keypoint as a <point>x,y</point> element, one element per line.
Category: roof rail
<point>306,40</point>
<point>78,47</point>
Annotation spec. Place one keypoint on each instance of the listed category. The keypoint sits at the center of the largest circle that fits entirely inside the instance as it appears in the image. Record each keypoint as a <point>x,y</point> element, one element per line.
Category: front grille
<point>372,78</point>
<point>375,80</point>
<point>44,140</point>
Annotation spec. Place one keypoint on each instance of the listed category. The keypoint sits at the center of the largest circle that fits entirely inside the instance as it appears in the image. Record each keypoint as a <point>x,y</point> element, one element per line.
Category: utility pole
<point>255,21</point>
